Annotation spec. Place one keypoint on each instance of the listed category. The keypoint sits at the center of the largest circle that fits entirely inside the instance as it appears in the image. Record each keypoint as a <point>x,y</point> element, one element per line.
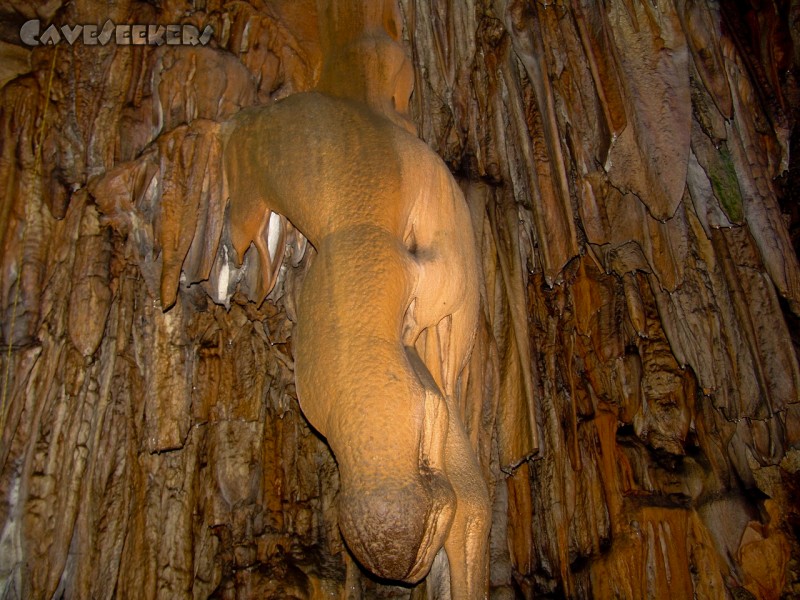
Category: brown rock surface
<point>634,391</point>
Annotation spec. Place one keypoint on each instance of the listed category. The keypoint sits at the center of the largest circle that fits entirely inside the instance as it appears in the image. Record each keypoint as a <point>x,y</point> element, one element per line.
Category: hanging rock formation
<point>632,394</point>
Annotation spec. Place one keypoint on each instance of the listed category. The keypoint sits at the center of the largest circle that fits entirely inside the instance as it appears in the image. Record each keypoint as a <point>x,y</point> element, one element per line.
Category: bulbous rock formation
<point>632,394</point>
<point>387,219</point>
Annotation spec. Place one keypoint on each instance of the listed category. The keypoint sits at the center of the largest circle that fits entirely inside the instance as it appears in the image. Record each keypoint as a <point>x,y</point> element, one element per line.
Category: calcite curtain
<point>632,173</point>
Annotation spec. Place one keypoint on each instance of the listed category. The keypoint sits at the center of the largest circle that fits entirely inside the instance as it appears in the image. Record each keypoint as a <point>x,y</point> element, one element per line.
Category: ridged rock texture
<point>632,172</point>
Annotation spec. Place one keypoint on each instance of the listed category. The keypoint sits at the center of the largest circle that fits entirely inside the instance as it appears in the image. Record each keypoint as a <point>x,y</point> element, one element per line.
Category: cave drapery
<point>636,398</point>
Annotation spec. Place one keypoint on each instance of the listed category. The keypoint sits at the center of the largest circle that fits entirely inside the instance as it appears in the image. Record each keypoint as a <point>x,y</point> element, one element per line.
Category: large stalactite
<point>634,397</point>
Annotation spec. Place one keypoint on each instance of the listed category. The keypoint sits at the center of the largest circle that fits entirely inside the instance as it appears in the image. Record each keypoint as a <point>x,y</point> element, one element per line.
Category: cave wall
<point>629,173</point>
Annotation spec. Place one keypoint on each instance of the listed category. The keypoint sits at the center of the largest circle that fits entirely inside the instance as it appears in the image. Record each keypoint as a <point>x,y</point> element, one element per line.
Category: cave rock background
<point>632,172</point>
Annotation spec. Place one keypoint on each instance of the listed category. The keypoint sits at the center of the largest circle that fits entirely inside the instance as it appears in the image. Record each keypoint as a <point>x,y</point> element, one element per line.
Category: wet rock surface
<point>634,392</point>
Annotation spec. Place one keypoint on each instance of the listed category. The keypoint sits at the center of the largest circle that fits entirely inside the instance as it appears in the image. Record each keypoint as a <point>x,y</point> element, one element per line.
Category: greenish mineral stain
<point>726,185</point>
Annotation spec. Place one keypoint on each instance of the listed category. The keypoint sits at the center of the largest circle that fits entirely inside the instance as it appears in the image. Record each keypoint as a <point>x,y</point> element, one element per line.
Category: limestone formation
<point>387,220</point>
<point>629,386</point>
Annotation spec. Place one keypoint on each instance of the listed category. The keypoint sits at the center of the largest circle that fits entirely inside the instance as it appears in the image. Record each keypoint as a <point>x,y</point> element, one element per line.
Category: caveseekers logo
<point>124,35</point>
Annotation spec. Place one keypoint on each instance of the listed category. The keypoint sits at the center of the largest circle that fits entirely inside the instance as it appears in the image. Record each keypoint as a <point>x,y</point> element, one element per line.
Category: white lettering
<point>105,35</point>
<point>191,37</point>
<point>29,32</point>
<point>71,33</point>
<point>205,37</point>
<point>90,35</point>
<point>139,34</point>
<point>123,35</point>
<point>155,35</point>
<point>50,37</point>
<point>173,35</point>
